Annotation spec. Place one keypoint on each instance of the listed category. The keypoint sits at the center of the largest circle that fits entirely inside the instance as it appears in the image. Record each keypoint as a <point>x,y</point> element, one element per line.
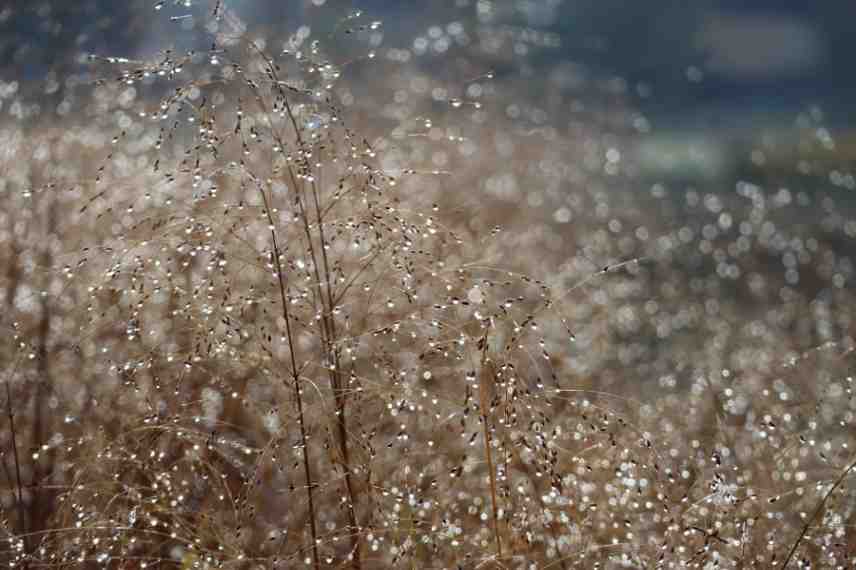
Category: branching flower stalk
<point>327,324</point>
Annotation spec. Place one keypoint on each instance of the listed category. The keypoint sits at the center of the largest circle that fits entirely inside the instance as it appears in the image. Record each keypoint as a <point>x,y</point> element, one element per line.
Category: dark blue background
<point>650,42</point>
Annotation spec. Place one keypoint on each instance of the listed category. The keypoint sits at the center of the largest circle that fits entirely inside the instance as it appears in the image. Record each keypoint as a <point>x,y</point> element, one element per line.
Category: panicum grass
<point>238,337</point>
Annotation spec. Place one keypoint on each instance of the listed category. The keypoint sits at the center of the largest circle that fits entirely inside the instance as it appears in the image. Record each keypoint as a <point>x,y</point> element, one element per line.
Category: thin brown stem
<point>336,383</point>
<point>296,383</point>
<point>18,481</point>
<point>327,325</point>
<point>485,383</point>
<point>38,502</point>
<point>328,333</point>
<point>816,512</point>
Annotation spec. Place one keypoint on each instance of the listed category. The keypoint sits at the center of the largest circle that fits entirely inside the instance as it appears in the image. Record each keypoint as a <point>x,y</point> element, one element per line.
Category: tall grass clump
<point>238,340</point>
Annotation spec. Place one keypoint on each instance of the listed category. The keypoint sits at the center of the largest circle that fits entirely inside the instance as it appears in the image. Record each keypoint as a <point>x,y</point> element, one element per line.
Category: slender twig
<point>816,512</point>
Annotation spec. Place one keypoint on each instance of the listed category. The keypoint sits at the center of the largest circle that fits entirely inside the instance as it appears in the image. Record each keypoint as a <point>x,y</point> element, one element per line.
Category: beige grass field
<point>295,300</point>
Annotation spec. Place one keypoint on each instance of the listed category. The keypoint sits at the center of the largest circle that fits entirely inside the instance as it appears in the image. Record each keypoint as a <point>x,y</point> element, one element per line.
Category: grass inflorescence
<point>240,335</point>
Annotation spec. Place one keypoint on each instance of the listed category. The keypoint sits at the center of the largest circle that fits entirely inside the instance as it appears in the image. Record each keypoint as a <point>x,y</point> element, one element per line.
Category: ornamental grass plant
<point>244,327</point>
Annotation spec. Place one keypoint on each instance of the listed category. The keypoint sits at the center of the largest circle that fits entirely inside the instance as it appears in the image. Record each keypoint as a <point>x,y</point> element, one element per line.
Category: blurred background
<point>706,74</point>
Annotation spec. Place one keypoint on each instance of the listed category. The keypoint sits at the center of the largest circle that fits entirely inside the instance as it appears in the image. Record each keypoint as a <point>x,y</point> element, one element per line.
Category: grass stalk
<point>328,324</point>
<point>485,385</point>
<point>18,481</point>
<point>816,512</point>
<point>296,384</point>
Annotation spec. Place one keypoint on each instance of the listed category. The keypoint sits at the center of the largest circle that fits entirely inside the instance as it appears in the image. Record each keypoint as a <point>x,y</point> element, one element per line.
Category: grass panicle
<point>259,312</point>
